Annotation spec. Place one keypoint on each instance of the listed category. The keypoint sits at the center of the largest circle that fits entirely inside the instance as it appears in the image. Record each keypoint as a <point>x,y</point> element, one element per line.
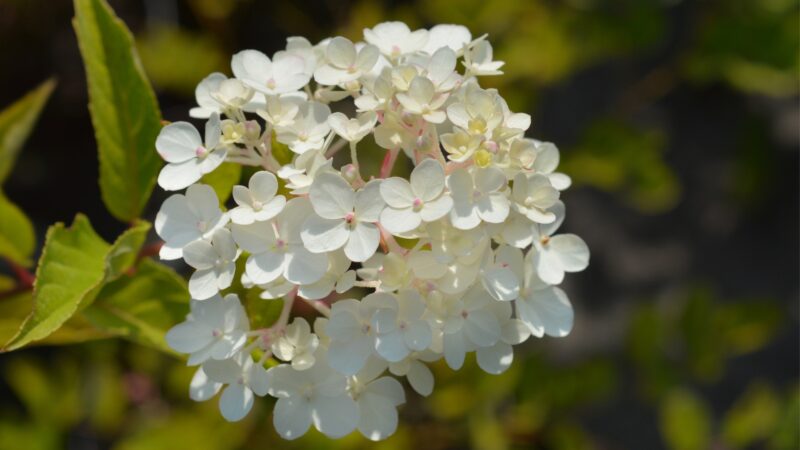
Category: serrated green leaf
<point>16,123</point>
<point>17,238</point>
<point>222,179</point>
<point>141,307</point>
<point>75,264</point>
<point>71,266</point>
<point>124,110</point>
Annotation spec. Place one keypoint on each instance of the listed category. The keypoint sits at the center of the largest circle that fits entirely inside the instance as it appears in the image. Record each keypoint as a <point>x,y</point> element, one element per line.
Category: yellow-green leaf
<point>141,307</point>
<point>17,238</point>
<point>685,421</point>
<point>16,123</point>
<point>124,110</point>
<point>71,266</point>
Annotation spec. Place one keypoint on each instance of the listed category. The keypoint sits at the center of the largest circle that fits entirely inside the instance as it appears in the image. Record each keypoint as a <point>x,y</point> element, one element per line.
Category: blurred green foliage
<point>675,352</point>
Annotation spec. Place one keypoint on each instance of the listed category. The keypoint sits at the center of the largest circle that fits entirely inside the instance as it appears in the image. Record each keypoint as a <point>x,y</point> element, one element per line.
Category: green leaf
<point>72,265</point>
<point>17,238</point>
<point>753,417</point>
<point>685,421</point>
<point>222,179</point>
<point>125,249</point>
<point>124,110</point>
<point>16,123</point>
<point>141,307</point>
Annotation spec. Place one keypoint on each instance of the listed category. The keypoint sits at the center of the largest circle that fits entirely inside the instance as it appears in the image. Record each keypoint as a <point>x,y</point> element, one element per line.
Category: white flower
<point>351,332</point>
<point>301,173</point>
<point>276,248</point>
<point>285,73</point>
<point>214,329</point>
<point>377,400</point>
<point>546,162</point>
<point>317,395</point>
<point>297,345</point>
<point>417,373</point>
<point>479,112</point>
<point>308,130</point>
<point>215,264</point>
<point>421,98</point>
<point>551,256</point>
<point>543,308</point>
<point>533,195</point>
<point>395,39</point>
<point>281,110</point>
<point>188,157</point>
<point>352,130</point>
<point>470,323</point>
<point>477,196</point>
<point>257,202</point>
<point>502,273</point>
<point>479,60</point>
<point>244,378</point>
<point>437,67</point>
<point>422,200</point>
<point>345,63</point>
<point>338,263</point>
<point>201,388</point>
<point>344,218</point>
<point>183,219</point>
<point>460,145</point>
<point>400,328</point>
<point>454,37</point>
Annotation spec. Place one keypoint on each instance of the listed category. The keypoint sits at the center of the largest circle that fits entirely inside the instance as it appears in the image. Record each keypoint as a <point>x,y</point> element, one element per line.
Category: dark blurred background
<point>678,121</point>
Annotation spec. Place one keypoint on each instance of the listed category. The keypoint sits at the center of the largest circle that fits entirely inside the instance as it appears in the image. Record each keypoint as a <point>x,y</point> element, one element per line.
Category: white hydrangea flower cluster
<point>480,268</point>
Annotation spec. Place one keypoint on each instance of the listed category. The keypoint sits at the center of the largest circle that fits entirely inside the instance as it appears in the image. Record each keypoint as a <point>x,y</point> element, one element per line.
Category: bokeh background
<point>678,121</point>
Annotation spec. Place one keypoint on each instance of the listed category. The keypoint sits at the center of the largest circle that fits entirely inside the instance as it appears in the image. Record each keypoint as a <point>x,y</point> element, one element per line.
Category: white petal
<point>397,193</point>
<point>200,254</point>
<point>482,328</point>
<point>304,267</point>
<point>201,387</point>
<point>378,416</point>
<point>174,177</point>
<point>427,180</point>
<point>363,242</point>
<point>324,235</point>
<point>368,202</point>
<point>331,196</point>
<point>341,52</point>
<point>265,267</point>
<point>454,350</point>
<point>188,337</point>
<point>495,359</point>
<point>493,208</point>
<point>420,378</point>
<point>398,221</point>
<point>436,209</point>
<point>263,186</point>
<point>292,417</point>
<point>235,402</point>
<point>571,251</point>
<point>547,311</point>
<point>203,284</point>
<point>501,283</point>
<point>391,346</point>
<point>178,142</point>
<point>335,417</point>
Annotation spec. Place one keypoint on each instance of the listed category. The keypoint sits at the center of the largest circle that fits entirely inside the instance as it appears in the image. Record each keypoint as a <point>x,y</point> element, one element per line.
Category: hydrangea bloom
<point>459,256</point>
